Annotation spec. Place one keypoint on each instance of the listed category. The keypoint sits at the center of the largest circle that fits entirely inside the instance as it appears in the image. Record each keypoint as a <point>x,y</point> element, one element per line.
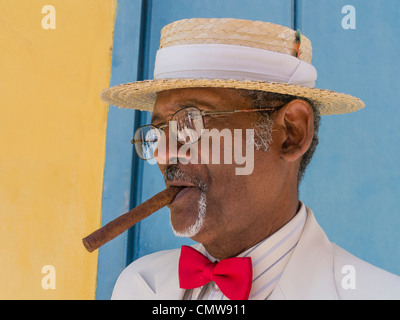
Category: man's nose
<point>167,151</point>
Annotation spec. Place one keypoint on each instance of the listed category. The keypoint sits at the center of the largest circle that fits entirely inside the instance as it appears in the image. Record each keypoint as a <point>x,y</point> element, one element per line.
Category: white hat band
<point>221,61</point>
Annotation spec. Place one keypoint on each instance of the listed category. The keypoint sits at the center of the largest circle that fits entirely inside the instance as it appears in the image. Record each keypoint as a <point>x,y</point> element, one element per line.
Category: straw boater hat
<point>231,53</point>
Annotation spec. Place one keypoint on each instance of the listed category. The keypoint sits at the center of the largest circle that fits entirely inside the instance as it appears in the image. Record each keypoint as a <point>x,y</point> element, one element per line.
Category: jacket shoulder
<point>139,278</point>
<point>359,280</point>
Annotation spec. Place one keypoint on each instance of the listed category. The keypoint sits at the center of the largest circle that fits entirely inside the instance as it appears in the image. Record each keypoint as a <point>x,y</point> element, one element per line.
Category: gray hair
<point>261,99</point>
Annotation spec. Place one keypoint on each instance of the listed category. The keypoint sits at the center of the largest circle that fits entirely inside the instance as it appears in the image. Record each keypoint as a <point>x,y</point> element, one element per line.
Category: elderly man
<point>257,240</point>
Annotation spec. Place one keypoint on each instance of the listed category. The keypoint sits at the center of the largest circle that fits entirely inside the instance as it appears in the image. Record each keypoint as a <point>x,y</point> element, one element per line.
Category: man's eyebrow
<point>190,103</point>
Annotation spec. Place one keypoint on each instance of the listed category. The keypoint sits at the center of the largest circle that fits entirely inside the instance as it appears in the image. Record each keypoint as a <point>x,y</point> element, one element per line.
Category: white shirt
<point>269,258</point>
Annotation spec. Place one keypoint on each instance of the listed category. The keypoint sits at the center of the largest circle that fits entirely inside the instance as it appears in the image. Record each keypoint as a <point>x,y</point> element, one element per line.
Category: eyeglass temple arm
<point>212,113</point>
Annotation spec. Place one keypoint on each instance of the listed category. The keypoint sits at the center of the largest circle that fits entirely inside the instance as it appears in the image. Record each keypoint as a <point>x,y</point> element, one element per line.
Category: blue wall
<point>352,184</point>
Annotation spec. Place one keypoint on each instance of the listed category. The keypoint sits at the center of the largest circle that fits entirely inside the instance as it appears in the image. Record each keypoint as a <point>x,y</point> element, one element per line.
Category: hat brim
<point>141,95</point>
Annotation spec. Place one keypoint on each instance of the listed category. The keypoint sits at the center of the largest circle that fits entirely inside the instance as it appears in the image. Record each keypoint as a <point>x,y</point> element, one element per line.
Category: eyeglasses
<point>186,125</point>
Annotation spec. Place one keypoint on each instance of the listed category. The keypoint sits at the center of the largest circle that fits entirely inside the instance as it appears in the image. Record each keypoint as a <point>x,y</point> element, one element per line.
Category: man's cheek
<point>248,158</point>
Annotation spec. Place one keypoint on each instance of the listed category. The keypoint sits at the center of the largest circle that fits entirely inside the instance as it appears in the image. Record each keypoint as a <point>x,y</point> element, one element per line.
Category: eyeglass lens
<point>186,126</point>
<point>189,125</point>
<point>146,140</point>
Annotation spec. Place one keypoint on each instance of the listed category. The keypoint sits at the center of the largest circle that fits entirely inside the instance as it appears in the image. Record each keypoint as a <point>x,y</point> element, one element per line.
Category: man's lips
<point>182,193</point>
<point>187,189</point>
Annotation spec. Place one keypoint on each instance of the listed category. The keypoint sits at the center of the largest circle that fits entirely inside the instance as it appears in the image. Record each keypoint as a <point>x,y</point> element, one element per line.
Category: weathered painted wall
<point>52,144</point>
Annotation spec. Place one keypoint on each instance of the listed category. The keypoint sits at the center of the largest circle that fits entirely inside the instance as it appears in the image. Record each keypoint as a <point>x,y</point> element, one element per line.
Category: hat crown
<point>256,34</point>
<point>235,54</point>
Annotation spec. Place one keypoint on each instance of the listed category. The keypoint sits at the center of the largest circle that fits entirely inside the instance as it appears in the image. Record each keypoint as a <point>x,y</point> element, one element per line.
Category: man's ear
<point>296,123</point>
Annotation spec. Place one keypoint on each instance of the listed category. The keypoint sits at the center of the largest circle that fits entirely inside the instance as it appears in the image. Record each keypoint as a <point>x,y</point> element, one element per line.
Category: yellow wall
<point>52,143</point>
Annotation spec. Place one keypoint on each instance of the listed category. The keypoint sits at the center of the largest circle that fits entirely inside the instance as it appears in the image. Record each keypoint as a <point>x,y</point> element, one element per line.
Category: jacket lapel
<point>167,284</point>
<point>309,273</point>
<point>160,280</point>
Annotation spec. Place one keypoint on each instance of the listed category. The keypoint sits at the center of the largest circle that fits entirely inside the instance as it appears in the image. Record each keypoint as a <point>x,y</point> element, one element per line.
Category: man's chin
<point>188,231</point>
<point>183,228</point>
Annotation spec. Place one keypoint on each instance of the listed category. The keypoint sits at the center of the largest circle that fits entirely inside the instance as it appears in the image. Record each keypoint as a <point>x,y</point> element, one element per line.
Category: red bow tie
<point>233,276</point>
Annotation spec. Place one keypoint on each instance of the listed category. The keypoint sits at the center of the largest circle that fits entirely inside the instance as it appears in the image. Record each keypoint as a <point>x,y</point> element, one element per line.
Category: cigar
<point>114,228</point>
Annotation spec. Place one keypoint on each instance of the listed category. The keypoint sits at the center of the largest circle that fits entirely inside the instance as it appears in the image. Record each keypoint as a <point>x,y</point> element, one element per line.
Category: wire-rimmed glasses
<point>186,125</point>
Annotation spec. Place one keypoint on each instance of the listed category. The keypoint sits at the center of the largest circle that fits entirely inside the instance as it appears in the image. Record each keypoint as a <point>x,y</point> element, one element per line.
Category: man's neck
<point>235,244</point>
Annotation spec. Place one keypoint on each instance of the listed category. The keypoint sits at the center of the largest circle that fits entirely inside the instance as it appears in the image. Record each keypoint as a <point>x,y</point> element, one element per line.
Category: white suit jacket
<point>317,270</point>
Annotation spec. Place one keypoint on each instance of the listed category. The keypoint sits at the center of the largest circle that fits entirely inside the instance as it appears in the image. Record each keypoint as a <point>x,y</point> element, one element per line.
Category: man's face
<point>218,204</point>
